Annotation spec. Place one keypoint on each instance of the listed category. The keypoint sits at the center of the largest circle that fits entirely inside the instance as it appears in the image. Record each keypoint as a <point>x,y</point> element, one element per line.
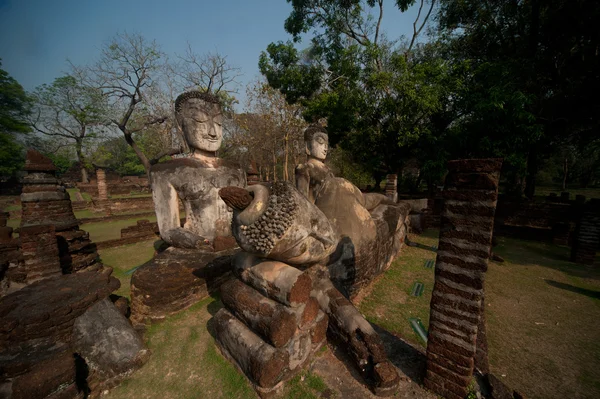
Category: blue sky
<point>38,36</point>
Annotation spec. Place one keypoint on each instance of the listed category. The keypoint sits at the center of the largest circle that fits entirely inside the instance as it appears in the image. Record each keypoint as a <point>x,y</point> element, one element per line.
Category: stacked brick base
<point>270,326</point>
<point>467,223</point>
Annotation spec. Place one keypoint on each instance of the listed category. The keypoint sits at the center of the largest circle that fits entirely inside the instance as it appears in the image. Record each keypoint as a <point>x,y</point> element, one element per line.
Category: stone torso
<point>197,185</point>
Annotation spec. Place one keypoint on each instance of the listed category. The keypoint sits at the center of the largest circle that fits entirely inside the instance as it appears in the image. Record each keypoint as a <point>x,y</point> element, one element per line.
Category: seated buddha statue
<point>195,180</point>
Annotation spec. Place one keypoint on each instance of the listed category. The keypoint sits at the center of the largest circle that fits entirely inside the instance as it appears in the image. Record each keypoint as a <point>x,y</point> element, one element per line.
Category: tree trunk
<point>286,176</point>
<point>274,166</point>
<point>565,171</point>
<point>532,169</point>
<point>81,160</point>
<point>142,157</point>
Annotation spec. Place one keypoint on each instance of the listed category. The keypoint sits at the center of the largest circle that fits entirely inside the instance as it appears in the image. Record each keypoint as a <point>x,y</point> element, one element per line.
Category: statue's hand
<point>183,238</point>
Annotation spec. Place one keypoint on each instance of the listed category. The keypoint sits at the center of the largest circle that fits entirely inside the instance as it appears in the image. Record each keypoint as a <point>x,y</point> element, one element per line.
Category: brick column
<point>391,187</point>
<point>467,222</point>
<point>101,181</point>
<point>40,252</point>
<point>587,234</point>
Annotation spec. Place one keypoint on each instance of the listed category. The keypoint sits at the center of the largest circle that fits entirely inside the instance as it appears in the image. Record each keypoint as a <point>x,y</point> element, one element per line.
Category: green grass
<point>125,258</point>
<point>88,213</point>
<point>110,230</point>
<point>543,314</point>
<point>86,197</point>
<point>14,223</point>
<point>543,326</point>
<point>390,304</point>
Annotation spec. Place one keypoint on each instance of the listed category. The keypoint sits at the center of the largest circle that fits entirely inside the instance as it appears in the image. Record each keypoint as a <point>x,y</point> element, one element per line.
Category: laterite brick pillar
<point>587,234</point>
<point>101,181</point>
<point>391,187</point>
<point>467,223</point>
<point>40,253</point>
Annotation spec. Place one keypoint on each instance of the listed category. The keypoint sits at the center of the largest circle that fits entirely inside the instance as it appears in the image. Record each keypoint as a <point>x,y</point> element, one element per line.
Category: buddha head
<point>200,118</point>
<point>317,142</point>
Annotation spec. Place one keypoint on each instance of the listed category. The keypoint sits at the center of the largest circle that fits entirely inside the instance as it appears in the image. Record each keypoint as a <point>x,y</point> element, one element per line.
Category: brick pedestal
<point>467,222</point>
<point>587,234</point>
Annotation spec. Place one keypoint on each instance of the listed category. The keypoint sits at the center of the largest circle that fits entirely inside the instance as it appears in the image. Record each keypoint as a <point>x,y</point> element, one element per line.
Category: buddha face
<point>202,124</point>
<point>318,146</point>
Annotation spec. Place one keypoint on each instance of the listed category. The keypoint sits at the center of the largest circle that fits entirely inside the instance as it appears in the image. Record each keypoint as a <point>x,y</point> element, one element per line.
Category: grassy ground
<point>86,197</point>
<point>543,325</point>
<point>543,314</point>
<point>123,259</point>
<point>110,230</point>
<point>185,363</point>
<point>389,303</point>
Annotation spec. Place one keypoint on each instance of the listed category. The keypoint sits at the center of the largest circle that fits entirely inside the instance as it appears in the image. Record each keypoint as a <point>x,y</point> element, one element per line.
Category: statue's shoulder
<point>225,163</point>
<point>173,164</point>
<point>303,168</point>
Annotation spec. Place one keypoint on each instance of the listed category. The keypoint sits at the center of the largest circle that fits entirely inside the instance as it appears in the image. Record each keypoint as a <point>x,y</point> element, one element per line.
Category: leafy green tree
<point>376,95</point>
<point>70,111</point>
<point>534,82</point>
<point>14,108</point>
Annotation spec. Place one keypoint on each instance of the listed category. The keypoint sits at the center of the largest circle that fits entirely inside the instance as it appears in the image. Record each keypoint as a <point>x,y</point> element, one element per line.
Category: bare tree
<point>128,72</point>
<point>209,72</point>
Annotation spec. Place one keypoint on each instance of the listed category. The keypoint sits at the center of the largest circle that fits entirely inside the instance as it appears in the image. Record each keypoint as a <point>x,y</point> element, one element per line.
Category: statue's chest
<point>204,186</point>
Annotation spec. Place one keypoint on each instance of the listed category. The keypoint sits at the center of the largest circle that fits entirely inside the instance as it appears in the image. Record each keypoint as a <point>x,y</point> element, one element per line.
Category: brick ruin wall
<point>467,222</point>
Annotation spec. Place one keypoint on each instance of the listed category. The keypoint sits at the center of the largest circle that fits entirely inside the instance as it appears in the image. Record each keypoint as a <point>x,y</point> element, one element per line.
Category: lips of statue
<point>319,146</point>
<point>202,125</point>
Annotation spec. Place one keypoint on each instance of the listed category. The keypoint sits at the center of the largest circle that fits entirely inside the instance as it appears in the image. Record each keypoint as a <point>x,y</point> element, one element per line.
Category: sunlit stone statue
<point>371,226</point>
<point>195,180</point>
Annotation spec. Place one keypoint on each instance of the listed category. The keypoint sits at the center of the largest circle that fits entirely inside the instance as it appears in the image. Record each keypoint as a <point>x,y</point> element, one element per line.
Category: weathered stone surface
<point>28,325</point>
<point>274,279</point>
<point>35,161</point>
<point>40,253</point>
<point>354,333</point>
<point>265,365</point>
<point>280,224</point>
<point>195,180</point>
<point>174,280</point>
<point>51,376</point>
<point>272,321</point>
<point>107,342</point>
<point>370,227</point>
<point>456,337</point>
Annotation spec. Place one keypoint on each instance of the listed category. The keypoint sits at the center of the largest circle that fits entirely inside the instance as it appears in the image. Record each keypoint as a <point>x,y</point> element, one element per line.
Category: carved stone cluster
<point>273,224</point>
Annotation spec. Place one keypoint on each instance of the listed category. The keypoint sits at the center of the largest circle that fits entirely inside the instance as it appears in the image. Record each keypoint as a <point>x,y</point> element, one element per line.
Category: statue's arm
<point>372,200</point>
<point>166,205</point>
<point>302,180</point>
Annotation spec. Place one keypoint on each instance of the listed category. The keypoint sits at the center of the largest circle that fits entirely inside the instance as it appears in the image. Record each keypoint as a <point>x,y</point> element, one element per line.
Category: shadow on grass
<point>572,288</point>
<point>419,245</point>
<point>520,252</point>
<point>407,358</point>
